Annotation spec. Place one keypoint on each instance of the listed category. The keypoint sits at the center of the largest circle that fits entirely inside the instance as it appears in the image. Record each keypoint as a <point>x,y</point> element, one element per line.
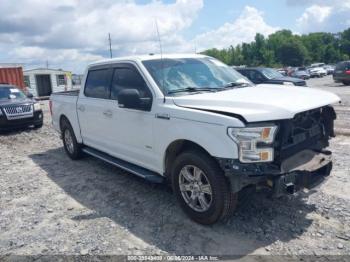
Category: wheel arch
<point>177,147</point>
<point>76,129</point>
<point>63,118</point>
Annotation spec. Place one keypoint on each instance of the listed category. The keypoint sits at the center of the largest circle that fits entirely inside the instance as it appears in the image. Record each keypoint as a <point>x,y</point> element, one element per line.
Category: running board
<point>134,169</point>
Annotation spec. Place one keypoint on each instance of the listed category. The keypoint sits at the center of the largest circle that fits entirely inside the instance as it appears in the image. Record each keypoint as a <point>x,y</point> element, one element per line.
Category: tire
<point>38,126</point>
<point>346,83</point>
<point>71,146</point>
<point>219,204</point>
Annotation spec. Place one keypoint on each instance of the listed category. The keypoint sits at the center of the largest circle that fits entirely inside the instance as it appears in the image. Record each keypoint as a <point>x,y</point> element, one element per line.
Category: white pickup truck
<point>200,125</point>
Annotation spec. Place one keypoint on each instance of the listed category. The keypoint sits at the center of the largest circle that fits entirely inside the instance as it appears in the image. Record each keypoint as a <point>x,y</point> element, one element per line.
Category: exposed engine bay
<point>307,130</point>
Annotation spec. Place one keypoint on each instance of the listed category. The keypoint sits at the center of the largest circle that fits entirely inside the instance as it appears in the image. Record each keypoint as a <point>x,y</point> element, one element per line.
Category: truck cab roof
<point>141,58</point>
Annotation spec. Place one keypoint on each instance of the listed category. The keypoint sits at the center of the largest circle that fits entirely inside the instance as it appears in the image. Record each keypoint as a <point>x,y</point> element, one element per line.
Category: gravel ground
<point>52,205</point>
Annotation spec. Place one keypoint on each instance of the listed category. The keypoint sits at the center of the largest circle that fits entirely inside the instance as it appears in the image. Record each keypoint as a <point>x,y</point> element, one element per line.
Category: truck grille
<point>18,111</point>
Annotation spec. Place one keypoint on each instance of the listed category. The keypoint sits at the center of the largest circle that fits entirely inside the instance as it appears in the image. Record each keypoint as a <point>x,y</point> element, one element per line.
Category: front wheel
<point>201,188</point>
<point>38,125</point>
<point>346,83</point>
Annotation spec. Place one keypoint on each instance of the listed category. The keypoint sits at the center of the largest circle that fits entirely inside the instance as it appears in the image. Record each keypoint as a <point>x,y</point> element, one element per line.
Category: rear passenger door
<point>94,108</point>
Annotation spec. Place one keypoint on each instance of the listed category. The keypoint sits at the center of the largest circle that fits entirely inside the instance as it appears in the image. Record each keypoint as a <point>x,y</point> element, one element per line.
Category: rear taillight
<point>347,72</point>
<point>50,106</point>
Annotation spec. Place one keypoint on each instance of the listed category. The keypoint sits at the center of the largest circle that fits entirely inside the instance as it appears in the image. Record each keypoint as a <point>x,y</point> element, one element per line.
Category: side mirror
<point>30,95</point>
<point>129,98</point>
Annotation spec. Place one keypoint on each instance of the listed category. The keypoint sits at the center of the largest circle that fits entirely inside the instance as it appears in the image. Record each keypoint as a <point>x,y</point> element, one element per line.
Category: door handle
<point>108,113</point>
<point>81,108</point>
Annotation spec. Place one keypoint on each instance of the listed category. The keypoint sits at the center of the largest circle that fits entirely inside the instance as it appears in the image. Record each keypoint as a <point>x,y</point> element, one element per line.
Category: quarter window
<point>97,83</point>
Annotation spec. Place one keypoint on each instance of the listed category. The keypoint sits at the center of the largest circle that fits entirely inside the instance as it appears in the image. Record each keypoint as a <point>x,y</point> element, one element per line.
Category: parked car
<point>262,75</point>
<point>317,65</point>
<point>301,73</point>
<point>282,71</point>
<point>317,72</point>
<point>18,109</point>
<point>198,124</point>
<point>329,69</point>
<point>342,72</point>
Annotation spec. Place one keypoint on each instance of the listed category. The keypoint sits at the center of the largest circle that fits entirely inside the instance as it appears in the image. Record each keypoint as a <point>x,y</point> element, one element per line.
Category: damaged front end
<point>300,158</point>
<point>306,169</point>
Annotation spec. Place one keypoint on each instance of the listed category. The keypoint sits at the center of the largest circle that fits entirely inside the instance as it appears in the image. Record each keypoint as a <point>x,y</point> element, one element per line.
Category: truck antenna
<point>110,45</point>
<point>161,56</point>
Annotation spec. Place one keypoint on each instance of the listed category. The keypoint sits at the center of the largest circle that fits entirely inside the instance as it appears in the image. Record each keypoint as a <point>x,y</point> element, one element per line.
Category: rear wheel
<point>347,83</point>
<point>201,188</point>
<point>71,146</point>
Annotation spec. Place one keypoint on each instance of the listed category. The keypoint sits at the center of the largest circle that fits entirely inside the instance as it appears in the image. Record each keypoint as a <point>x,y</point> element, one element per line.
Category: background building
<point>42,82</point>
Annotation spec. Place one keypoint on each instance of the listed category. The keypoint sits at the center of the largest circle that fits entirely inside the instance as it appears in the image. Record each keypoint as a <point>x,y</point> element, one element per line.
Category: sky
<point>69,34</point>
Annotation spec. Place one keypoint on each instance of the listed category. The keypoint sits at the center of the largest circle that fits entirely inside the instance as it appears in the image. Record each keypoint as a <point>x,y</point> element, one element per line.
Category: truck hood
<point>260,103</point>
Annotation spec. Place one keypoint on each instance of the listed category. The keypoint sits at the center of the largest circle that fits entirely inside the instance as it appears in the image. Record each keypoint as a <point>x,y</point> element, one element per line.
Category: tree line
<point>283,48</point>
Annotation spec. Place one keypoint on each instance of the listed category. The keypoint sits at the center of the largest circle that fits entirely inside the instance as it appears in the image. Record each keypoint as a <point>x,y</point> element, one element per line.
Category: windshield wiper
<point>236,84</point>
<point>191,89</point>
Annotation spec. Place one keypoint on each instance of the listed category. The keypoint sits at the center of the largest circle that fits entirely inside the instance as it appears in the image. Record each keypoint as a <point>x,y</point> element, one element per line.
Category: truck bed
<point>74,92</point>
<point>64,104</point>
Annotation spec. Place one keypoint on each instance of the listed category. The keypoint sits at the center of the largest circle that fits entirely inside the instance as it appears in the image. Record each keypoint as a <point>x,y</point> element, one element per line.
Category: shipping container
<point>13,76</point>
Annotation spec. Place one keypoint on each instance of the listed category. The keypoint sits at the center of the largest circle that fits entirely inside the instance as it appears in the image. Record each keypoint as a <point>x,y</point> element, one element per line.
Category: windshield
<point>11,93</point>
<point>207,73</point>
<point>271,73</point>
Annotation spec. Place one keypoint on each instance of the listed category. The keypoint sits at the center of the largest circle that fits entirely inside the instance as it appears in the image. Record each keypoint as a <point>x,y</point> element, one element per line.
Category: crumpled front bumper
<point>305,169</point>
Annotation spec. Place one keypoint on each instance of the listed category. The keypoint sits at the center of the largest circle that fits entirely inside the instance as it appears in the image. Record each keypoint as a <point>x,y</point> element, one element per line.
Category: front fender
<point>211,137</point>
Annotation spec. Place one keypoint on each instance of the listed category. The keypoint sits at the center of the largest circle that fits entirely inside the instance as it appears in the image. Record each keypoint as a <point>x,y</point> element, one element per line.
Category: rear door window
<point>98,83</point>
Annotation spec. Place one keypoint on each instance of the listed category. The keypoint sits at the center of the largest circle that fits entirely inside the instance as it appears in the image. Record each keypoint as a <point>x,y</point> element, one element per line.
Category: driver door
<point>131,131</point>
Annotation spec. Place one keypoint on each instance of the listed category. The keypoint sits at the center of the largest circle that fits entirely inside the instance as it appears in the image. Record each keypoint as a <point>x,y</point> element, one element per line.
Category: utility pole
<point>110,45</point>
<point>47,64</point>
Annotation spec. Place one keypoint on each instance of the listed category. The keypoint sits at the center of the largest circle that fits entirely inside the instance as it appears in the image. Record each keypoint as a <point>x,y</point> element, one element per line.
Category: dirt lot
<point>52,205</point>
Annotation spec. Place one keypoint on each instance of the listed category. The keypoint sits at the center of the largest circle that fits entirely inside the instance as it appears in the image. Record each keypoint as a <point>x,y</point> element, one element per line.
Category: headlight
<point>37,107</point>
<point>247,139</point>
<point>288,84</point>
